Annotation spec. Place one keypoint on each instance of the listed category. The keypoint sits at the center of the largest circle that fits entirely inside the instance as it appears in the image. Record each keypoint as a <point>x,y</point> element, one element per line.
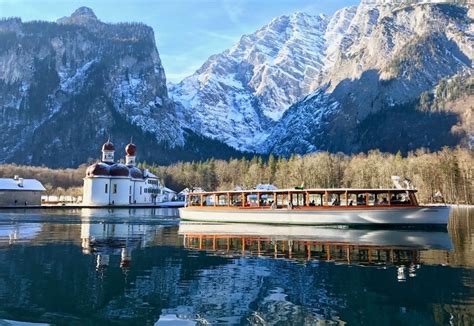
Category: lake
<point>141,267</point>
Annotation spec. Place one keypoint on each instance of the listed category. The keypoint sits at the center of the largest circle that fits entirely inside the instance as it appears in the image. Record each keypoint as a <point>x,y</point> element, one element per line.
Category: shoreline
<point>177,204</point>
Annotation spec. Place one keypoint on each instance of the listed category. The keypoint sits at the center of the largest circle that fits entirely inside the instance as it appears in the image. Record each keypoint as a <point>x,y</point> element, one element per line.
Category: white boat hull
<point>423,215</point>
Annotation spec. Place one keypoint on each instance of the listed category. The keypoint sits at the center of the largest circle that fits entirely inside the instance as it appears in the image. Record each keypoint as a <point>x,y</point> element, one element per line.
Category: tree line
<point>449,172</point>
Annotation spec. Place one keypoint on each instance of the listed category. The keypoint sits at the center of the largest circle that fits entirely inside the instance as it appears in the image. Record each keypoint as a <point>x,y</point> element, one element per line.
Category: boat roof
<point>28,185</point>
<point>311,190</point>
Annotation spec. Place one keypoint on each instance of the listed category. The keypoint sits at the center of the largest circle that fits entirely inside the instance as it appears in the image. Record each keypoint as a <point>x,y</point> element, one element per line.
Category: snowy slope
<point>386,58</point>
<point>67,86</point>
<point>237,95</point>
<point>379,54</point>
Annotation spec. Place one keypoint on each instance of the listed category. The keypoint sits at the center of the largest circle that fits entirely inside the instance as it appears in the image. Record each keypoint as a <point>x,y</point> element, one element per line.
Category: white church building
<point>110,183</point>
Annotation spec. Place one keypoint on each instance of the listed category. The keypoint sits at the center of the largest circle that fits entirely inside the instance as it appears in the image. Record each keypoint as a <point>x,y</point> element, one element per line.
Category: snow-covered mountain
<point>387,58</point>
<point>394,75</point>
<point>238,94</point>
<point>67,86</point>
<point>358,69</point>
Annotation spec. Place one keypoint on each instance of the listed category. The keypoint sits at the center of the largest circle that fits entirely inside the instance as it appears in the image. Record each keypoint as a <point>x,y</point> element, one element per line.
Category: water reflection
<point>142,267</point>
<point>303,243</point>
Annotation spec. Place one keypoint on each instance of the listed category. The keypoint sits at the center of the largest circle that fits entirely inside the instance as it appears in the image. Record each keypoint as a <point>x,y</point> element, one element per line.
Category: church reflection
<point>114,239</point>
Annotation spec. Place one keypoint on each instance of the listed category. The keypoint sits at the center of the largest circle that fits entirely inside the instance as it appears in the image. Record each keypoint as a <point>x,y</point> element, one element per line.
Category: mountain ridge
<point>375,56</point>
<point>393,77</point>
<point>66,87</point>
<point>245,89</point>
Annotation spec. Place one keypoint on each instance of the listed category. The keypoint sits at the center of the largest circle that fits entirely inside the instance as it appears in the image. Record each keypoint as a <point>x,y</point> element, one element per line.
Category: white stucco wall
<point>119,191</point>
<point>94,191</point>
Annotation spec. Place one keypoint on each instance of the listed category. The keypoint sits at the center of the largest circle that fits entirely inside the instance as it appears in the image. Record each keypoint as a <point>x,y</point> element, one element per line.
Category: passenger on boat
<point>312,203</point>
<point>351,202</point>
<point>336,202</point>
<point>384,201</point>
<point>360,200</point>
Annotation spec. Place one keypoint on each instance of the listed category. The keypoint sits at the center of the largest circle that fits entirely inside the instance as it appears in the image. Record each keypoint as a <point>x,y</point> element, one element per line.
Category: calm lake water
<point>141,267</point>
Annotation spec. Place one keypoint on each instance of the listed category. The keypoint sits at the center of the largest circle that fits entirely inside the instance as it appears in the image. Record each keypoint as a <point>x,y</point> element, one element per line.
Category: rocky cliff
<point>240,94</point>
<point>388,57</point>
<point>393,75</point>
<point>364,71</point>
<point>67,86</point>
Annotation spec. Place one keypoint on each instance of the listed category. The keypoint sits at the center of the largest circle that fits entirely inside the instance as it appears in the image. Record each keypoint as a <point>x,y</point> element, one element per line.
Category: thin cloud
<point>221,36</point>
<point>234,10</point>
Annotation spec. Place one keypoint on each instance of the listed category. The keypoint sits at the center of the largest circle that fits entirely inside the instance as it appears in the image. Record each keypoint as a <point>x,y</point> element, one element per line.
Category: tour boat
<point>389,206</point>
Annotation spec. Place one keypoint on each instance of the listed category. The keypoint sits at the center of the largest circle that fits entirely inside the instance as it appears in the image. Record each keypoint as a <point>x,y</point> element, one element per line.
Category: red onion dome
<point>136,173</point>
<point>98,169</point>
<point>119,170</point>
<point>108,146</point>
<point>131,149</point>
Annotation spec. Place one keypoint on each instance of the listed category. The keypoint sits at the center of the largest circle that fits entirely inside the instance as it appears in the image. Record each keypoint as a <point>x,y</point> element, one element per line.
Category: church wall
<point>119,191</point>
<point>139,195</point>
<point>94,191</point>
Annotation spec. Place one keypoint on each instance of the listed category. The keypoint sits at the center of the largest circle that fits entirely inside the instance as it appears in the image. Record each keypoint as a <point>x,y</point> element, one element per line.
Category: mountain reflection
<point>144,268</point>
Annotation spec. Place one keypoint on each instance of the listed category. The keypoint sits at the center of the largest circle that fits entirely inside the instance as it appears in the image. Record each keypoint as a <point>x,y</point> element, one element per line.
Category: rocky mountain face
<point>387,58</point>
<point>67,86</point>
<point>394,75</point>
<point>365,72</point>
<point>240,93</point>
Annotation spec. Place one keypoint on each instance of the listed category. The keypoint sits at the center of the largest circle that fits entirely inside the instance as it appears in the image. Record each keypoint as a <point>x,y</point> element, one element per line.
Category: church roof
<point>27,184</point>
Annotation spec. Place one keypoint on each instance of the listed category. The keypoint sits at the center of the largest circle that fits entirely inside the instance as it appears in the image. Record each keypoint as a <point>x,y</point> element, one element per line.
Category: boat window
<point>195,200</point>
<point>222,200</point>
<point>315,200</point>
<point>334,199</point>
<point>236,200</point>
<point>383,199</point>
<point>252,200</point>
<point>282,200</point>
<point>372,200</point>
<point>351,200</point>
<point>400,199</point>
<point>298,199</point>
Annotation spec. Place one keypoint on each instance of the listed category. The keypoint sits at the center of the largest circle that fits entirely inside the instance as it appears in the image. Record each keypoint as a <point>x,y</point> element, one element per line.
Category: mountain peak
<point>81,16</point>
<point>85,12</point>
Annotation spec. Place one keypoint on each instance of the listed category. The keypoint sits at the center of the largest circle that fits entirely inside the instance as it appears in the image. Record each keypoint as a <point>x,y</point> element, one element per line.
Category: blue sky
<point>187,31</point>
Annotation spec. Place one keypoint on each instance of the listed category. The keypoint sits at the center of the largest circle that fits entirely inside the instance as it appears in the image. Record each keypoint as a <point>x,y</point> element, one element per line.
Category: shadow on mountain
<point>367,121</point>
<point>405,128</point>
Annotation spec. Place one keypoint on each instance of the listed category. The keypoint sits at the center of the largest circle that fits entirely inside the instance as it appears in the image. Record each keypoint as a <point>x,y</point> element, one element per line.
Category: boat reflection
<point>403,248</point>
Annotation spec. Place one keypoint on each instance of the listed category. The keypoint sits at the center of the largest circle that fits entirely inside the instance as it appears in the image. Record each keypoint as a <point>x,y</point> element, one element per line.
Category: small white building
<point>20,192</point>
<point>109,183</point>
<point>168,194</point>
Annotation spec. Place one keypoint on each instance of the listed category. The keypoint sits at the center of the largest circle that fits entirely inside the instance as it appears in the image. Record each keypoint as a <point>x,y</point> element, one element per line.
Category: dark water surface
<point>141,267</point>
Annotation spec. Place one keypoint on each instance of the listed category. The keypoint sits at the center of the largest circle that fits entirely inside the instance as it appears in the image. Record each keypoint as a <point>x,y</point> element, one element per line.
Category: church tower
<point>108,151</point>
<point>130,151</point>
